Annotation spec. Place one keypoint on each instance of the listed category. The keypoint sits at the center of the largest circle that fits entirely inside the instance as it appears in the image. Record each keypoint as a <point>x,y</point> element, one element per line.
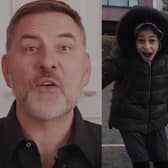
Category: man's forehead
<point>36,37</point>
<point>74,33</point>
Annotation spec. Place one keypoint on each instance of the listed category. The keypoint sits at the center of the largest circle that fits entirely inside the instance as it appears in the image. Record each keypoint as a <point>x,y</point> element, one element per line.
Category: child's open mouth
<point>147,55</point>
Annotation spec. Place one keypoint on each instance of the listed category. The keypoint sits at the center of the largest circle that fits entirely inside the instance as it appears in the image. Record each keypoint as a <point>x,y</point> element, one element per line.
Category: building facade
<point>113,10</point>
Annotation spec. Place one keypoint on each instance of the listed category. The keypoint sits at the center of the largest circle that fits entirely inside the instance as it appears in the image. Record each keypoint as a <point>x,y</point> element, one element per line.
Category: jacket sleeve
<point>112,67</point>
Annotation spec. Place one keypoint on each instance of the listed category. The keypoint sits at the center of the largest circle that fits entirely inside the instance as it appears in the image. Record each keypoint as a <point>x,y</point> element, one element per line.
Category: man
<point>46,66</point>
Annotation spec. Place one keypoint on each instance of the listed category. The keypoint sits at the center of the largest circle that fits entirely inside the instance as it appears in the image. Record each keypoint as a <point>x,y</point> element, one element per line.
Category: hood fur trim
<point>135,16</point>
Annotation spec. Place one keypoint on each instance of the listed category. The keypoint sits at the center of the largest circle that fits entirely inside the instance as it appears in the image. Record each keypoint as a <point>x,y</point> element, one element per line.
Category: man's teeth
<point>48,84</point>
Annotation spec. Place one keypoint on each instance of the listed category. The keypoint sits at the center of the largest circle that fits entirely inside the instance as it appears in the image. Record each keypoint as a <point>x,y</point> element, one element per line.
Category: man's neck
<point>49,135</point>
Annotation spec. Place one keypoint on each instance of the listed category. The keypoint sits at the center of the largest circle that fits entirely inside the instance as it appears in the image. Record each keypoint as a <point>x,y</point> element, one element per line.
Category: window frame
<point>120,6</point>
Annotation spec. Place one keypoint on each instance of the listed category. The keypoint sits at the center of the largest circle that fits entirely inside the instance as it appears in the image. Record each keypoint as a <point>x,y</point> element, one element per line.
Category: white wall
<point>90,101</point>
<point>5,93</point>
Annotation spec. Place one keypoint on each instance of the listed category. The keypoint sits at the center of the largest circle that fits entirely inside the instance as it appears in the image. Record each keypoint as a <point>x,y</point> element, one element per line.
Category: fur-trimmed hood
<point>136,16</point>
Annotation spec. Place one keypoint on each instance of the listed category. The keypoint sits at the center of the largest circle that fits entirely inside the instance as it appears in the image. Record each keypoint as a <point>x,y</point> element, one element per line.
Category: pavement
<point>113,150</point>
<point>114,154</point>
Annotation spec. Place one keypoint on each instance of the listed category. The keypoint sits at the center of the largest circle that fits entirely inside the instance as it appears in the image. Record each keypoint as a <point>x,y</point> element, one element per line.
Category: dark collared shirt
<point>83,150</point>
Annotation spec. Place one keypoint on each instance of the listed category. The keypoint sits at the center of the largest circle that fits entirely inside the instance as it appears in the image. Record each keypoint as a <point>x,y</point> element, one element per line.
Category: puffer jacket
<point>140,92</point>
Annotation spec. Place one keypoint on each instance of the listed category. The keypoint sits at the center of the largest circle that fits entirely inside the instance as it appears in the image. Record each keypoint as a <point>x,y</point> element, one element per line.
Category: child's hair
<point>149,26</point>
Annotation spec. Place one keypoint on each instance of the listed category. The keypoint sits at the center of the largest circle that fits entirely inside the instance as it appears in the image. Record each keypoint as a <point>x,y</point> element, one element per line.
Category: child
<point>139,67</point>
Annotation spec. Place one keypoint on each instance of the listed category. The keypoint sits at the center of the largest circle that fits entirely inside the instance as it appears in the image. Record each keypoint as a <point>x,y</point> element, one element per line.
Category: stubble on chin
<point>46,108</point>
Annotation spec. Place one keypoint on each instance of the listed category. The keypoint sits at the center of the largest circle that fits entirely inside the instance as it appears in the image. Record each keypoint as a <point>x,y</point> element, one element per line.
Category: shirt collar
<point>84,139</point>
<point>81,136</point>
<point>13,134</point>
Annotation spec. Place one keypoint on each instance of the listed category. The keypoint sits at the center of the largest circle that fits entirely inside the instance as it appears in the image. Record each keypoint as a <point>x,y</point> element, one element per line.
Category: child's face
<point>147,44</point>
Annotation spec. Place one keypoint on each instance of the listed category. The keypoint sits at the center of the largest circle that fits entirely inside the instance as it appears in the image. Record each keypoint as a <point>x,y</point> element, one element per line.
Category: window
<point>123,3</point>
<point>132,3</point>
<point>120,3</point>
<point>105,2</point>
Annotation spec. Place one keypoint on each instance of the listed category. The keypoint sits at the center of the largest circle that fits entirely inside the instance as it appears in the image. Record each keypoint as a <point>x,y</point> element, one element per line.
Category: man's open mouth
<point>48,83</point>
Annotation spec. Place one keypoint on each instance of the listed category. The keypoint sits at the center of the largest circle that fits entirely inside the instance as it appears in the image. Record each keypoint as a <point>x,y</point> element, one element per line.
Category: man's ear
<point>87,72</point>
<point>5,69</point>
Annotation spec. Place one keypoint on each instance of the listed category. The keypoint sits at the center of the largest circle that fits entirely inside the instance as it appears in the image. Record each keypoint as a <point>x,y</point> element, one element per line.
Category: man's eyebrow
<point>67,35</point>
<point>63,35</point>
<point>28,36</point>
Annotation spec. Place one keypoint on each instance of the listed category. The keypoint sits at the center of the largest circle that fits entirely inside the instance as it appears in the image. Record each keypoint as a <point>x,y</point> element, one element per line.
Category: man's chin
<point>46,113</point>
<point>44,109</point>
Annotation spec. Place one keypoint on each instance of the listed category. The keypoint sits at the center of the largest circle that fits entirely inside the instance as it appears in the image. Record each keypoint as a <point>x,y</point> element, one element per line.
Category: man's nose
<point>48,60</point>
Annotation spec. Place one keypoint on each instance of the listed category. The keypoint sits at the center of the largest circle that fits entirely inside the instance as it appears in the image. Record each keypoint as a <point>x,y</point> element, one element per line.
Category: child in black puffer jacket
<point>139,67</point>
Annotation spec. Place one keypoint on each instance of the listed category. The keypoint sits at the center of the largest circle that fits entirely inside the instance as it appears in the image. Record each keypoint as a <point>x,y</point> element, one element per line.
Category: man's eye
<point>65,49</point>
<point>30,50</point>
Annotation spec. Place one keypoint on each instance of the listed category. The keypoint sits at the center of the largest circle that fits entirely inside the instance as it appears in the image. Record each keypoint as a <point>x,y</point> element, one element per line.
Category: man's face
<point>47,66</point>
<point>147,44</point>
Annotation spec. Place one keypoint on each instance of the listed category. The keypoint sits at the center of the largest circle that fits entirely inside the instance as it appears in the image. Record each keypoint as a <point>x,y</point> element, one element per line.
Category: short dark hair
<point>41,6</point>
<point>149,26</point>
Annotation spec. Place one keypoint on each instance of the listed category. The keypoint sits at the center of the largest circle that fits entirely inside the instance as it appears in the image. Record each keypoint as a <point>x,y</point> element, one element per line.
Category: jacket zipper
<point>149,97</point>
